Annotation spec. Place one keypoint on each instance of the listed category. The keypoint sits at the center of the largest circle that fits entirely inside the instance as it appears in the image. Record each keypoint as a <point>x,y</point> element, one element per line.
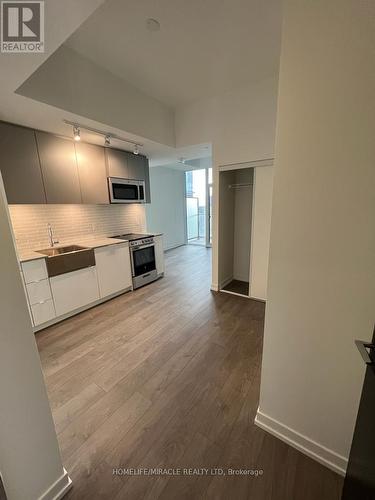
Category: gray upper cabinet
<point>92,173</point>
<point>147,181</point>
<point>138,169</point>
<point>19,165</point>
<point>38,167</point>
<point>117,163</point>
<point>59,169</point>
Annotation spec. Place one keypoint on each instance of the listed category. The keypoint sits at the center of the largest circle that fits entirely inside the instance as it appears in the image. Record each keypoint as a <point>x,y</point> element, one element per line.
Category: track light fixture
<point>76,133</point>
<point>108,136</point>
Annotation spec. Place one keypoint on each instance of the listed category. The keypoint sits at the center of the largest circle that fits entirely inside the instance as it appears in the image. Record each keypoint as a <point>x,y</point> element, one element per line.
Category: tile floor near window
<point>168,376</point>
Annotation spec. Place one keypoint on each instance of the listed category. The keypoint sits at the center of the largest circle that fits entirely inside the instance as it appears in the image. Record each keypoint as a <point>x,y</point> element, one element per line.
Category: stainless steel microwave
<point>126,190</point>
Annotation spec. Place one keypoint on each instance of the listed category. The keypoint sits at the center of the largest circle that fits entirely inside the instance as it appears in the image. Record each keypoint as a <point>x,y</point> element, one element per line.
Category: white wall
<point>260,231</point>
<point>73,83</point>
<point>240,123</point>
<point>241,127</point>
<point>30,460</point>
<point>321,289</point>
<point>166,214</point>
<point>243,201</point>
<point>225,228</point>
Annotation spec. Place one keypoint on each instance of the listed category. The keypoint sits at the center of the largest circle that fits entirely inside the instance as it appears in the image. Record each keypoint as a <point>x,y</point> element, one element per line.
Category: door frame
<point>208,209</point>
<point>254,164</point>
<point>208,216</point>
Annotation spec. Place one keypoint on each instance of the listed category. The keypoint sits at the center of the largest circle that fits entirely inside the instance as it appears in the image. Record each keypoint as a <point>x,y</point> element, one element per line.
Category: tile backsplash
<point>73,222</point>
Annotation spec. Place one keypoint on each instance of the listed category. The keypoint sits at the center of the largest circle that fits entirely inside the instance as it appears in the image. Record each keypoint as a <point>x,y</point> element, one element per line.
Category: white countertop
<point>94,243</point>
<point>27,255</point>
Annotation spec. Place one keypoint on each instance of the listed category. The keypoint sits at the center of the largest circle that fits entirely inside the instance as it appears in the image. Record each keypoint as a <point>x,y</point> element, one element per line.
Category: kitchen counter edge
<point>29,255</point>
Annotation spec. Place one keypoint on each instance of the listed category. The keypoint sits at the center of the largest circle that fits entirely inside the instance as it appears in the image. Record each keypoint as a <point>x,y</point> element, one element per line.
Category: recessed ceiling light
<point>152,24</point>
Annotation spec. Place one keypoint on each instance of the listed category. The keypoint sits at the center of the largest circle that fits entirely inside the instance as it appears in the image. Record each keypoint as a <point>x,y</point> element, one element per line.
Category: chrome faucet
<point>52,240</point>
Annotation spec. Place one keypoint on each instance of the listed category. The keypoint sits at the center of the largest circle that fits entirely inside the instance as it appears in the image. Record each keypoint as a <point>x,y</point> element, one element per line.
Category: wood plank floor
<point>168,377</point>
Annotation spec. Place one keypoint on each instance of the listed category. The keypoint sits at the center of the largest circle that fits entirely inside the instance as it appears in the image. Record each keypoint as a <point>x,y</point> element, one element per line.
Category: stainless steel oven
<point>143,263</point>
<point>142,258</point>
<point>126,190</point>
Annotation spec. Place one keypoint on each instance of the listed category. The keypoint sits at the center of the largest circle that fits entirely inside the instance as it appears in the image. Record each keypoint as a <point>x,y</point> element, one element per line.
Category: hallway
<point>168,377</point>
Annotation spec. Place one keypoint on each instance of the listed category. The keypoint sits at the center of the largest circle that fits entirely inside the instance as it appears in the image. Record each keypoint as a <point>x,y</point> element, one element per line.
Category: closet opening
<point>235,220</point>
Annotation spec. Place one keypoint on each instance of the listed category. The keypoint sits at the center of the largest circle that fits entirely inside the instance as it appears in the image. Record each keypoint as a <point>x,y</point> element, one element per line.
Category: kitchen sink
<point>52,252</point>
<point>62,260</point>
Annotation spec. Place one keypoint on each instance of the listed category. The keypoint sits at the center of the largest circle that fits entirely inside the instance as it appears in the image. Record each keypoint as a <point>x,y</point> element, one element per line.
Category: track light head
<point>107,140</point>
<point>76,133</point>
<point>136,149</point>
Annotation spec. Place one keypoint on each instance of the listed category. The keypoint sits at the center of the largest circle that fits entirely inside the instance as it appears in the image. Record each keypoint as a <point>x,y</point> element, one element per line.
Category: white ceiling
<point>204,47</point>
<point>189,164</point>
<point>62,18</point>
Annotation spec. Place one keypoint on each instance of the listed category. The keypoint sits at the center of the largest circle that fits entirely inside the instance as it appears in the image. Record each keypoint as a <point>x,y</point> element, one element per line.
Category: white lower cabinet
<point>51,298</point>
<point>34,270</point>
<point>113,268</point>
<point>43,312</point>
<point>40,301</point>
<point>159,254</point>
<point>39,291</point>
<point>71,291</point>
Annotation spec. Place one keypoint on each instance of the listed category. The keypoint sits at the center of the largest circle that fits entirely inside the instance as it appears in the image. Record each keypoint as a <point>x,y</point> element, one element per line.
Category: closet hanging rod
<point>241,185</point>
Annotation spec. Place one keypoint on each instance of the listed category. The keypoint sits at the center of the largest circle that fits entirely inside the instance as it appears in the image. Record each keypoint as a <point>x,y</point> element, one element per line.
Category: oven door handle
<point>140,247</point>
<point>132,264</point>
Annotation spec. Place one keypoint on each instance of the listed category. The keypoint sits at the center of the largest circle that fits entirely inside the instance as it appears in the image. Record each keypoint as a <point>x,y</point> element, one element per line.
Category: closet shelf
<point>239,186</point>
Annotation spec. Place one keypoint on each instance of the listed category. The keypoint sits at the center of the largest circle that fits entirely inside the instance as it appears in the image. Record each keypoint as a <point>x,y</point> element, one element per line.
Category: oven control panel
<point>143,241</point>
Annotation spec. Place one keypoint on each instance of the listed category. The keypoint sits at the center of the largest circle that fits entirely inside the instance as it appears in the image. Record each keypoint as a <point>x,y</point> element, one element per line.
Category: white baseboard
<point>311,448</point>
<point>225,282</point>
<point>258,299</point>
<point>235,293</point>
<point>58,489</point>
<point>216,287</point>
<point>178,245</point>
